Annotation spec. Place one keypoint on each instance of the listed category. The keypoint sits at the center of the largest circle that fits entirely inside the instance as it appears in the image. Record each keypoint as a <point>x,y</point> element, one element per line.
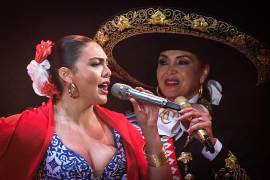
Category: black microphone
<point>204,138</point>
<point>124,92</point>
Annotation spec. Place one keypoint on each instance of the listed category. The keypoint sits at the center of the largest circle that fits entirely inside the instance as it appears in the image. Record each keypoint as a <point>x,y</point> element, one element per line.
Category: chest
<point>96,149</point>
<point>62,162</point>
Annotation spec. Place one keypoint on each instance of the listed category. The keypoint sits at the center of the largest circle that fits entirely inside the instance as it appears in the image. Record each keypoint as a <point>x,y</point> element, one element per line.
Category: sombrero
<point>133,40</point>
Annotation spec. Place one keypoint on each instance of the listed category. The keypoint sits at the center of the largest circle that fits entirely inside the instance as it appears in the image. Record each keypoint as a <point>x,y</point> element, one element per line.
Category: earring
<point>157,91</point>
<point>73,90</point>
<point>200,91</point>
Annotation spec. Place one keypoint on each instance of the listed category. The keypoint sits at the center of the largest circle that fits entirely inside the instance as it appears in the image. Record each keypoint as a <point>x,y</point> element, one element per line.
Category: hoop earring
<point>200,91</point>
<point>157,91</point>
<point>73,90</point>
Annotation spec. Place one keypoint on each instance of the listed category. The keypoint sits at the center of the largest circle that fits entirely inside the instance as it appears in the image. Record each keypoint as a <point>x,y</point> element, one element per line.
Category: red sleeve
<point>24,140</point>
<point>7,129</point>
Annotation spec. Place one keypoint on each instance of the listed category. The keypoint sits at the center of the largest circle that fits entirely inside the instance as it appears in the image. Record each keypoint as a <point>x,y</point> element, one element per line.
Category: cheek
<point>160,73</point>
<point>159,77</point>
<point>93,77</point>
<point>90,77</point>
<point>191,81</point>
<point>188,74</point>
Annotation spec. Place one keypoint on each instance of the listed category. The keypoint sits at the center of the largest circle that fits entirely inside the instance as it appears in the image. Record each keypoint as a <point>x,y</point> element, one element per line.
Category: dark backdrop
<point>24,24</point>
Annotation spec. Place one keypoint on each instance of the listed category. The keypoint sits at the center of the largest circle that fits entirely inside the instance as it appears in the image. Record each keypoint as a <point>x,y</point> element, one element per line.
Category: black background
<point>24,24</point>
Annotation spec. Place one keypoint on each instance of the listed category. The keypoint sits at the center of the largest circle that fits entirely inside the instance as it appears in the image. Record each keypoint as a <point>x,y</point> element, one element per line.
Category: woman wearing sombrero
<point>172,51</point>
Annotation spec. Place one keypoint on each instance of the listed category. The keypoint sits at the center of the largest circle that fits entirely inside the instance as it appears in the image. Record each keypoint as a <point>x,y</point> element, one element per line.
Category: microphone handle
<point>205,140</point>
<point>203,136</point>
<point>173,106</point>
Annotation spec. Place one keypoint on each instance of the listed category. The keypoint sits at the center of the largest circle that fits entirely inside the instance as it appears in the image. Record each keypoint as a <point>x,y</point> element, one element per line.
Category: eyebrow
<point>184,55</point>
<point>163,55</point>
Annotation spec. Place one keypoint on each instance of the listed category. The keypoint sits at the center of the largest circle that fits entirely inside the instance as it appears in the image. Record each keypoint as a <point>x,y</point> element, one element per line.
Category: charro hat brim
<point>138,55</point>
<point>134,39</point>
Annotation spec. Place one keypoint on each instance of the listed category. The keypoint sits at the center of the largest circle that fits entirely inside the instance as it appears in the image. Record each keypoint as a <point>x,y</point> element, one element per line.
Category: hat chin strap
<point>215,90</point>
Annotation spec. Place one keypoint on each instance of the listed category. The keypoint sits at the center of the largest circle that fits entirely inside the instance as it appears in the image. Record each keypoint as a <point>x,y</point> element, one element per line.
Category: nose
<point>106,72</point>
<point>171,69</point>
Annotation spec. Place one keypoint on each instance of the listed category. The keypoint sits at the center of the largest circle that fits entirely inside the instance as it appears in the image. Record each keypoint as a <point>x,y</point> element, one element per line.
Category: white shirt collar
<point>172,126</point>
<point>194,99</point>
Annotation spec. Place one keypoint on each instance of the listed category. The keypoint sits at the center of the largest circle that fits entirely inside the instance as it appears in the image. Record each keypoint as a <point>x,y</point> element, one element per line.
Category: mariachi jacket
<point>224,166</point>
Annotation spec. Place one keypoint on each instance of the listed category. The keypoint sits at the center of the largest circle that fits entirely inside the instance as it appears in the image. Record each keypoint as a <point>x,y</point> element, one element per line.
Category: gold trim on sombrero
<point>159,20</point>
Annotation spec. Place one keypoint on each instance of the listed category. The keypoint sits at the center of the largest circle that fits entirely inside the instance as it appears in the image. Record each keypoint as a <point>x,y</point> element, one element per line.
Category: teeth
<point>103,85</point>
<point>172,82</point>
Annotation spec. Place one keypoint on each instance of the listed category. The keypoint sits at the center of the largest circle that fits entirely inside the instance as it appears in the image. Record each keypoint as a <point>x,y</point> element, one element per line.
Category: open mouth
<point>103,87</point>
<point>172,82</point>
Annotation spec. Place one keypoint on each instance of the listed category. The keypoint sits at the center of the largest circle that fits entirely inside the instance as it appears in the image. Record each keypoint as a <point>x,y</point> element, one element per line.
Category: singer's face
<point>92,75</point>
<point>179,74</point>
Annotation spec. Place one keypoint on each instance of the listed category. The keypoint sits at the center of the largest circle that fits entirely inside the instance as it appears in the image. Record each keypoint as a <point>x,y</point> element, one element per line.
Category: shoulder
<point>24,115</point>
<point>30,123</point>
<point>39,114</point>
<point>17,125</point>
<point>43,111</point>
<point>9,120</point>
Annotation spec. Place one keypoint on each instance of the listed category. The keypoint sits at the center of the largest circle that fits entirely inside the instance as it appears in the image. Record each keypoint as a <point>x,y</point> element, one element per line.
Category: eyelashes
<point>162,62</point>
<point>94,64</point>
<point>181,61</point>
<point>98,61</point>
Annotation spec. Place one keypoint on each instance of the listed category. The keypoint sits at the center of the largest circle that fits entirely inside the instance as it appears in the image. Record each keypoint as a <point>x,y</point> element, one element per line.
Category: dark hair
<point>65,53</point>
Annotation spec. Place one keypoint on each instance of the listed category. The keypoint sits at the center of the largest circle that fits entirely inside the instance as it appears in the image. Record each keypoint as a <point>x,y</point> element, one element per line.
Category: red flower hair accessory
<point>38,68</point>
<point>43,50</point>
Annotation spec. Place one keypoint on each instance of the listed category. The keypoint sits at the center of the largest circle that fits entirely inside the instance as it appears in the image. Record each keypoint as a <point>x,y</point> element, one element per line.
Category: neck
<point>74,110</point>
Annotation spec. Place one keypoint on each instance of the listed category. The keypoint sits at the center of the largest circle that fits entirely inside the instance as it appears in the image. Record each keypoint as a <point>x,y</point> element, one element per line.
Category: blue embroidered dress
<point>62,163</point>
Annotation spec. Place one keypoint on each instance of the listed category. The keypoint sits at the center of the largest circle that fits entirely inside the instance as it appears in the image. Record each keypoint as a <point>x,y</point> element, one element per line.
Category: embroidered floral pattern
<point>62,163</point>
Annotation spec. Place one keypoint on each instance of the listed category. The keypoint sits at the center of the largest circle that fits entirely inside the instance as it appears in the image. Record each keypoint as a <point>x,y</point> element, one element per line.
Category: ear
<point>205,73</point>
<point>65,74</point>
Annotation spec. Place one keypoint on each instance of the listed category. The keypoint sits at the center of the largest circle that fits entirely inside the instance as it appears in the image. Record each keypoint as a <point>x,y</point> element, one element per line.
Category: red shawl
<point>24,139</point>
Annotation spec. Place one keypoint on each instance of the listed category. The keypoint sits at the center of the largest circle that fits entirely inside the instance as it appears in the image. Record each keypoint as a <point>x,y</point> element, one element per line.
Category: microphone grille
<point>120,91</point>
<point>182,101</point>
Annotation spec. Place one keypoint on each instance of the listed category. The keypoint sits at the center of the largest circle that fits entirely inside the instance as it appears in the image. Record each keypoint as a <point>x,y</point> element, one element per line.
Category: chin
<point>103,100</point>
<point>103,103</point>
<point>170,96</point>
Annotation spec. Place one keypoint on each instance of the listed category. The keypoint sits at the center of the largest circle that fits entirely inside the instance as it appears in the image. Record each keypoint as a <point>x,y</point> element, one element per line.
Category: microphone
<point>204,138</point>
<point>124,92</point>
